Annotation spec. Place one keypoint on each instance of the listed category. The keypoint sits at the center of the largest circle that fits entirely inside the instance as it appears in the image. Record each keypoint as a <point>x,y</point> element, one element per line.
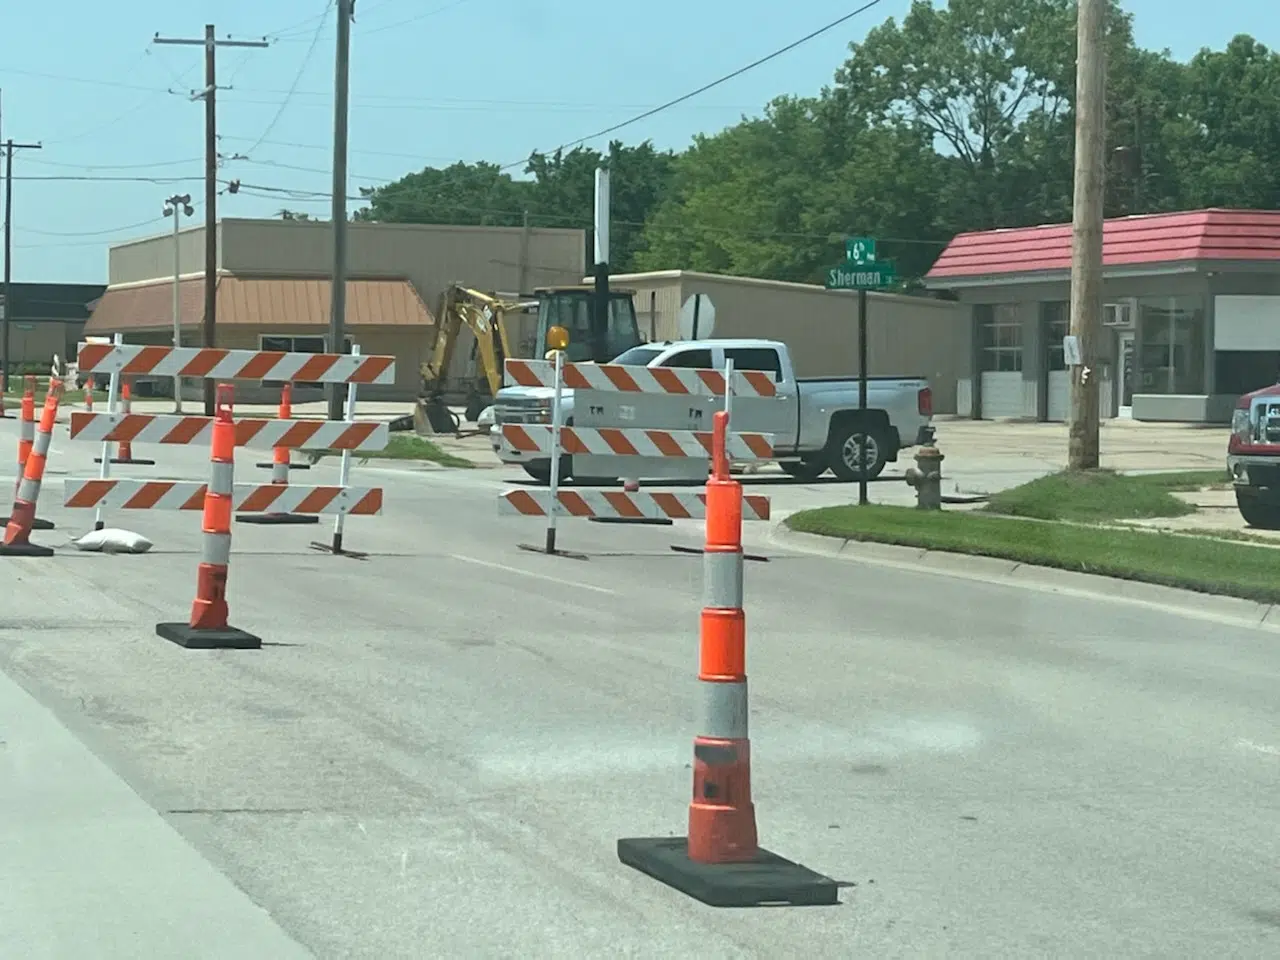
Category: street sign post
<point>861,271</point>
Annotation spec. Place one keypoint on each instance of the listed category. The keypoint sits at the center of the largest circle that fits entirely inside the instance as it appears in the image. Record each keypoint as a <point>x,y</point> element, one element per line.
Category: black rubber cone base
<point>269,519</point>
<point>769,879</point>
<point>132,460</point>
<point>36,524</point>
<point>228,638</point>
<point>292,466</point>
<point>25,550</point>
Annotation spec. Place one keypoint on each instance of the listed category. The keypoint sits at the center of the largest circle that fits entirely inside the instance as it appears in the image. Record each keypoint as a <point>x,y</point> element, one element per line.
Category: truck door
<point>778,414</point>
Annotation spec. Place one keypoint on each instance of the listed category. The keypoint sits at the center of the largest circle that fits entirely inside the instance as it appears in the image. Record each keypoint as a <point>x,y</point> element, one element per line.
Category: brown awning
<point>258,302</point>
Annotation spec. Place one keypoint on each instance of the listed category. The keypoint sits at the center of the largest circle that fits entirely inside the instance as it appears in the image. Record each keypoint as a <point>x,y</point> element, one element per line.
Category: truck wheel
<point>540,470</point>
<point>1256,513</point>
<point>805,471</point>
<point>844,452</point>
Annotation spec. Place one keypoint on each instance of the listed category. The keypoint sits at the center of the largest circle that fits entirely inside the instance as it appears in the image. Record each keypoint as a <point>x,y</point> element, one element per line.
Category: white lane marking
<point>1259,747</point>
<point>577,585</point>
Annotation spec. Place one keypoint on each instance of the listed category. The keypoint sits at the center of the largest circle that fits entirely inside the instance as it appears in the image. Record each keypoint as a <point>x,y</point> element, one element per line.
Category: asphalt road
<point>438,748</point>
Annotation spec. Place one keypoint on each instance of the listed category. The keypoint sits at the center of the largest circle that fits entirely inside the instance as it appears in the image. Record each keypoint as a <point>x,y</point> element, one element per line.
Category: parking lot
<point>437,747</point>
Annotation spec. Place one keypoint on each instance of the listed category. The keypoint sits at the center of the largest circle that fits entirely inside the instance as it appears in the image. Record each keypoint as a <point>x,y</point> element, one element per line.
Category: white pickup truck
<point>815,422</point>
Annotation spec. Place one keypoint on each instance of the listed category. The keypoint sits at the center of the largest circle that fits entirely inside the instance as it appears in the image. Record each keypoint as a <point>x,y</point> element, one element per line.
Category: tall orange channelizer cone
<point>280,467</point>
<point>26,440</point>
<point>88,394</point>
<point>208,629</point>
<point>124,448</point>
<point>22,519</point>
<point>281,455</point>
<point>720,862</point>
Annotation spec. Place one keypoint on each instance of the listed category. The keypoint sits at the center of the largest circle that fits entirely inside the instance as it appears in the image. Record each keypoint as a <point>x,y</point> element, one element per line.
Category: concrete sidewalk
<point>87,869</point>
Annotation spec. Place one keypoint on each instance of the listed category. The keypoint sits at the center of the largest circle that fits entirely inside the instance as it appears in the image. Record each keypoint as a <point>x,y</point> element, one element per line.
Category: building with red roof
<point>1192,315</point>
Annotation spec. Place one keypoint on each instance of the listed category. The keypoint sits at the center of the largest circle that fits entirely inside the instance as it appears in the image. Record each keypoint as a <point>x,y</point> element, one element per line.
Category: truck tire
<point>1257,512</point>
<point>843,451</point>
<point>807,470</point>
<point>540,470</point>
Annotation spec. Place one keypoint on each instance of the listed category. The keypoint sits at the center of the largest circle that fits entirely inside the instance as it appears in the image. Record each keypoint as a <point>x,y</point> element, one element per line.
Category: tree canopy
<point>959,117</point>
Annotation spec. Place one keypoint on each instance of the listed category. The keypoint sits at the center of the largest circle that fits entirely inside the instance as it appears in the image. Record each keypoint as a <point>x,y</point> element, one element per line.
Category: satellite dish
<point>697,317</point>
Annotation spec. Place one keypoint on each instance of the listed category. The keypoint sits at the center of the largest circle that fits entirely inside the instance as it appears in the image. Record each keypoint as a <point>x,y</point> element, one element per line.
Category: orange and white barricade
<point>720,861</point>
<point>650,449</point>
<point>280,434</point>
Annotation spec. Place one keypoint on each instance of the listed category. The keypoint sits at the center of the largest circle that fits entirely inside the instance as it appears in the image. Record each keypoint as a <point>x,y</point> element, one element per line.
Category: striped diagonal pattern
<point>253,433</point>
<point>203,362</point>
<point>616,504</point>
<point>633,442</point>
<point>246,497</point>
<point>626,379</point>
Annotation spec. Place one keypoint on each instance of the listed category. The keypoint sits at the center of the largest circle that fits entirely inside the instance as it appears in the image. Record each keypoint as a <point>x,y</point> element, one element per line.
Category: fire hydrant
<point>926,475</point>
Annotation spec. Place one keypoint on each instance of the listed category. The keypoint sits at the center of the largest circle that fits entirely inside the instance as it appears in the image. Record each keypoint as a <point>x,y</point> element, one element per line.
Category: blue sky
<point>432,81</point>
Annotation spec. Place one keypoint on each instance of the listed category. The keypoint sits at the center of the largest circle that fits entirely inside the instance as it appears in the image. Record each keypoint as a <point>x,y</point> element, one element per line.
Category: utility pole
<point>209,95</point>
<point>338,282</point>
<point>1087,219</point>
<point>9,147</point>
<point>175,206</point>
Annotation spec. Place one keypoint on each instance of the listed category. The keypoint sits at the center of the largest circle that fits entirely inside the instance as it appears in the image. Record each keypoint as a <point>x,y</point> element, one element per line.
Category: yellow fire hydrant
<point>926,476</point>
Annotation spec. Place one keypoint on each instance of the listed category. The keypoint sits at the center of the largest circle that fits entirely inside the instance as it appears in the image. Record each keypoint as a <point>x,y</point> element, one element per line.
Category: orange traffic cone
<point>208,629</point>
<point>720,861</point>
<point>124,448</point>
<point>26,440</point>
<point>17,533</point>
<point>280,466</point>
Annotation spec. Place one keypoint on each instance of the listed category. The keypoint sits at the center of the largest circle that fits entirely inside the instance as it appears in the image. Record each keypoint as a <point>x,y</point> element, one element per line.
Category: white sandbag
<point>111,540</point>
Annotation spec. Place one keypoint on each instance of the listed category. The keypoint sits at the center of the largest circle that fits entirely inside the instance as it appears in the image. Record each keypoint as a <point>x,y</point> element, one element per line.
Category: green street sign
<point>852,276</point>
<point>860,250</point>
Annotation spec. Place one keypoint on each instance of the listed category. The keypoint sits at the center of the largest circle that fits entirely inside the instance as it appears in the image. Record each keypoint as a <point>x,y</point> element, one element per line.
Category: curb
<point>1186,603</point>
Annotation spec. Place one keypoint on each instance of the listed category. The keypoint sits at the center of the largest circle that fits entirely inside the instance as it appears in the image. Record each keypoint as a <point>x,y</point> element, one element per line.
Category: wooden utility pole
<point>1087,218</point>
<point>7,307</point>
<point>209,95</point>
<point>338,282</point>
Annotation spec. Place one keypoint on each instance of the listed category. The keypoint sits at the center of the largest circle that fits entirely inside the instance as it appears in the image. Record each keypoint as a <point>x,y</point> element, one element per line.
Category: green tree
<point>479,194</point>
<point>564,191</point>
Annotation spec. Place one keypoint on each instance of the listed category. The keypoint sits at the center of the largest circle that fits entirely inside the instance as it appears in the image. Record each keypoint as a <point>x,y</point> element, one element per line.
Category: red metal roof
<point>1150,239</point>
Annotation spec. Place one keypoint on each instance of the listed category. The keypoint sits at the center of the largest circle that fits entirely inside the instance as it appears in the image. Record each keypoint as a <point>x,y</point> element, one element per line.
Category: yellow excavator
<point>594,335</point>
<point>485,315</point>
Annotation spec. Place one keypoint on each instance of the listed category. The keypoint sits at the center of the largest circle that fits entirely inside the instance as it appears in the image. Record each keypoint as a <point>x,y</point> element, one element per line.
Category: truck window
<point>698,359</point>
<point>756,358</point>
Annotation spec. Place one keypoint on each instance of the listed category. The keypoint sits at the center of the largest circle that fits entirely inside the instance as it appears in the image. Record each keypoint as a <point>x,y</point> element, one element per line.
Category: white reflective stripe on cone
<point>722,710</point>
<point>29,430</point>
<point>216,549</point>
<point>29,490</point>
<point>41,443</point>
<point>222,478</point>
<point>722,579</point>
<point>280,473</point>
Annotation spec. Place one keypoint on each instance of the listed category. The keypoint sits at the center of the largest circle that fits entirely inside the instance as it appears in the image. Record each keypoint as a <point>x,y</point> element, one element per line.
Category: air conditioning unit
<point>1118,314</point>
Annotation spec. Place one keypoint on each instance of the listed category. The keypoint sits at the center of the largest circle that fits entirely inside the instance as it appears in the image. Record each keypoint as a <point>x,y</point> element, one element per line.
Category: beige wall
<point>151,258</point>
<point>906,336</point>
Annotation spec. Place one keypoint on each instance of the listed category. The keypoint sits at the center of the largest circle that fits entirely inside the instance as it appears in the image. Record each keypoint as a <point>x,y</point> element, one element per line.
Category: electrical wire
<point>302,68</point>
<point>414,19</point>
<point>724,79</point>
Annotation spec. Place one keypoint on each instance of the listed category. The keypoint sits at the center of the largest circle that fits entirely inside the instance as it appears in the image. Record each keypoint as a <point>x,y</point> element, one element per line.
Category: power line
<point>302,68</point>
<point>414,19</point>
<point>721,80</point>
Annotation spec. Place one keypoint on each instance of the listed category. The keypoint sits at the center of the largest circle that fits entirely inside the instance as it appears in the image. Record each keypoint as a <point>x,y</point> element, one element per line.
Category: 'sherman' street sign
<point>852,276</point>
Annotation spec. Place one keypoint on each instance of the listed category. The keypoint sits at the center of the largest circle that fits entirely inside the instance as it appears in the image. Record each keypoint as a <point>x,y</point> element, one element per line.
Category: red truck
<point>1253,457</point>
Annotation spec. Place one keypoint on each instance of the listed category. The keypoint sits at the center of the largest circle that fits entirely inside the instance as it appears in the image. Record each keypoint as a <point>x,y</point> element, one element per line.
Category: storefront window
<point>1171,351</point>
<point>1055,318</point>
<point>1000,338</point>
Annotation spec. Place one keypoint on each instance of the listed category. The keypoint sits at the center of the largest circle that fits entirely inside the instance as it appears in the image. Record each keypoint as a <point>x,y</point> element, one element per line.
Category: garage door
<point>1059,394</point>
<point>1001,395</point>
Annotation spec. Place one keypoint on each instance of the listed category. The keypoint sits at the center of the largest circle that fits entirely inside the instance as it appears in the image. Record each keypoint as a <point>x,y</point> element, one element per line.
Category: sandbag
<point>111,540</point>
